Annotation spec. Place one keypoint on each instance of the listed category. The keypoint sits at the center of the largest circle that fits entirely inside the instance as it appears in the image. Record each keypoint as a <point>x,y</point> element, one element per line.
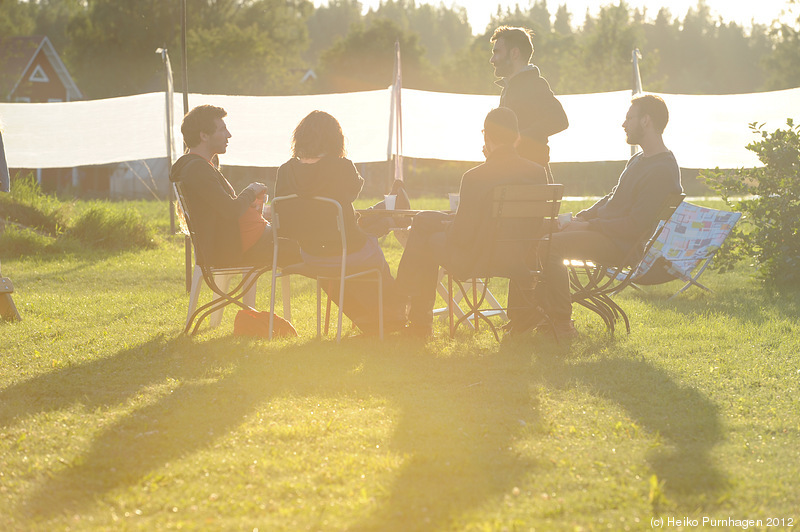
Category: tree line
<point>278,47</point>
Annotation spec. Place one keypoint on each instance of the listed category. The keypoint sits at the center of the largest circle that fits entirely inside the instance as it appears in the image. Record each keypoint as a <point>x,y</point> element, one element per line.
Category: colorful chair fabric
<point>686,245</point>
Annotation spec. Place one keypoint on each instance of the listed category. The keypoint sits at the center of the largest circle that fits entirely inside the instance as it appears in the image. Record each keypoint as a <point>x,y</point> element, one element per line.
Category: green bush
<point>114,229</point>
<point>28,206</point>
<point>769,199</point>
<point>19,240</point>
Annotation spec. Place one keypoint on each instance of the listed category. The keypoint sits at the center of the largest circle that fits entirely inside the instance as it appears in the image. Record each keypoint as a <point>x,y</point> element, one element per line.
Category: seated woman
<point>318,167</point>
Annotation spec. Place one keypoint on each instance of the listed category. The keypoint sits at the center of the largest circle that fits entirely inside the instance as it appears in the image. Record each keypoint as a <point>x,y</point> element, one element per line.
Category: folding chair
<point>686,246</point>
<point>8,310</point>
<point>218,279</point>
<point>318,223</point>
<point>522,218</point>
<point>593,284</point>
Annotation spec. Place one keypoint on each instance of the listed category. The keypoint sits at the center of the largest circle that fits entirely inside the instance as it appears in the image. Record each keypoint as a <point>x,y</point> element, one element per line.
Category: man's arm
<point>201,182</point>
<point>642,213</point>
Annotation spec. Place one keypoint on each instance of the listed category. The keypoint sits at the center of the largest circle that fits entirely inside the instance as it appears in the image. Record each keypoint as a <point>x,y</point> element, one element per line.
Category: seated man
<point>230,229</point>
<point>458,244</point>
<point>608,230</point>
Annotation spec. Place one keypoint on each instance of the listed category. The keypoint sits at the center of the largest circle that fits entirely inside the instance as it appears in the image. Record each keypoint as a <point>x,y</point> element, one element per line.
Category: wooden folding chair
<point>522,220</point>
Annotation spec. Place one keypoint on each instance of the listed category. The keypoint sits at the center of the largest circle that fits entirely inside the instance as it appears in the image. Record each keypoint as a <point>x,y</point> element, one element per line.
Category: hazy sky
<point>740,11</point>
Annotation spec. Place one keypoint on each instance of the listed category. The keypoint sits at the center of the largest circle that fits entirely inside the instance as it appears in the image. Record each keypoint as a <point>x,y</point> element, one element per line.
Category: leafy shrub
<point>770,203</point>
<point>17,240</point>
<point>28,206</point>
<point>106,228</point>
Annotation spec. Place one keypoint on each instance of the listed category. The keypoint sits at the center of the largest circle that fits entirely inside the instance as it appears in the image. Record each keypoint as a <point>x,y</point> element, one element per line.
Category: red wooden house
<point>33,72</point>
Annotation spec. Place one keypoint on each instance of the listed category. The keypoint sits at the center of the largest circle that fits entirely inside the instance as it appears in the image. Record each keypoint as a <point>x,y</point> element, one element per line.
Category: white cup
<point>389,201</point>
<point>265,207</point>
<point>454,199</point>
<point>564,219</point>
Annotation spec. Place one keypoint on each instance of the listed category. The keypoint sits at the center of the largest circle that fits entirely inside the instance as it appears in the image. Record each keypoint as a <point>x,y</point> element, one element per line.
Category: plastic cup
<point>564,219</point>
<point>389,201</point>
<point>454,198</point>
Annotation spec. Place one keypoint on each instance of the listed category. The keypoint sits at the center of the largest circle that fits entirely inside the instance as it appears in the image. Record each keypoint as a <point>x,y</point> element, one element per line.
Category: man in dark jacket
<point>527,93</point>
<point>229,228</point>
<point>459,243</point>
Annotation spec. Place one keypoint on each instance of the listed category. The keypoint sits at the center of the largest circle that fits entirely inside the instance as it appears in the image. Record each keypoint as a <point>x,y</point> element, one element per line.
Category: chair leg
<point>223,282</point>
<point>194,294</point>
<point>286,296</point>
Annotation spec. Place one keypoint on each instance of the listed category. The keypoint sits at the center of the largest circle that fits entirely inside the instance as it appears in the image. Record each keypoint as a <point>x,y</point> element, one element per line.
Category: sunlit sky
<point>742,12</point>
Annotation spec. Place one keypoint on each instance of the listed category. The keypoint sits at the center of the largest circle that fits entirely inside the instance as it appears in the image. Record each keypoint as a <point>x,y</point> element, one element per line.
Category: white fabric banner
<point>704,131</point>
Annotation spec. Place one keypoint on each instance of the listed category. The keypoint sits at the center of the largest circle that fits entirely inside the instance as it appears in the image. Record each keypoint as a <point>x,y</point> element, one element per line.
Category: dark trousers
<point>579,245</point>
<point>418,271</point>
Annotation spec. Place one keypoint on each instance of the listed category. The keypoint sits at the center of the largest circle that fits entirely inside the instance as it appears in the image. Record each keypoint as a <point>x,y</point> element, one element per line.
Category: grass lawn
<point>110,419</point>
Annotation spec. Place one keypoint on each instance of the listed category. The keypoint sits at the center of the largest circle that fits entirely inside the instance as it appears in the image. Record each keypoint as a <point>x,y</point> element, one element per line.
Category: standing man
<point>609,229</point>
<point>526,93</point>
<point>458,243</point>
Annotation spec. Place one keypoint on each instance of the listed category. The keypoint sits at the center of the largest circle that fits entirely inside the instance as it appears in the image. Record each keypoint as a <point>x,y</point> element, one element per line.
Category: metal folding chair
<point>218,279</point>
<point>318,223</point>
<point>686,246</point>
<point>593,284</point>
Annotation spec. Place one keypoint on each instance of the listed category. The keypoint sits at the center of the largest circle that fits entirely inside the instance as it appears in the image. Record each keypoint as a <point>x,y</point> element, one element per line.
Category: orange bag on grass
<point>250,323</point>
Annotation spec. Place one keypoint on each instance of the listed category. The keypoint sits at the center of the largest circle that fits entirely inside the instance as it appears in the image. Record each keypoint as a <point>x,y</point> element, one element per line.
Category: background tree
<point>235,47</point>
<point>364,60</point>
<point>330,22</point>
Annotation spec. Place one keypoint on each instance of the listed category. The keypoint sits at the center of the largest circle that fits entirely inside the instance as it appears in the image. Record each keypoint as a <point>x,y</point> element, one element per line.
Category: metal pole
<point>636,88</point>
<point>187,243</point>
<point>168,110</point>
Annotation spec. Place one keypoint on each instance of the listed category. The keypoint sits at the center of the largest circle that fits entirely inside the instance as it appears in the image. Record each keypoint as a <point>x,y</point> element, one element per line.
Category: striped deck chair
<point>686,246</point>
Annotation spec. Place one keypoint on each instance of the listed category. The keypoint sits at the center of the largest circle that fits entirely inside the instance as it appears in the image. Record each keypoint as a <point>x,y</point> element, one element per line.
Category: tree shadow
<point>458,435</point>
<point>685,422</point>
<point>448,426</point>
<point>459,415</point>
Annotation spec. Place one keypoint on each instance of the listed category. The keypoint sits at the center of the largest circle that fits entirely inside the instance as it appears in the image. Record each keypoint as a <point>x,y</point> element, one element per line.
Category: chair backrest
<point>185,223</point>
<point>316,223</point>
<point>692,235</point>
<point>522,216</point>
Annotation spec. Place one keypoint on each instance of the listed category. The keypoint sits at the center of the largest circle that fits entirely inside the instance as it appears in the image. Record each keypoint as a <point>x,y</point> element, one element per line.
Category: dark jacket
<point>538,112</point>
<point>330,177</point>
<point>468,235</point>
<point>214,210</point>
<point>626,213</point>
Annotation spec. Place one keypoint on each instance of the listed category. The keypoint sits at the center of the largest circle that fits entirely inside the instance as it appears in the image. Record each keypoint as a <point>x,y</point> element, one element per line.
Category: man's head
<point>511,50</point>
<point>647,116</point>
<point>316,135</point>
<point>500,127</point>
<point>203,127</point>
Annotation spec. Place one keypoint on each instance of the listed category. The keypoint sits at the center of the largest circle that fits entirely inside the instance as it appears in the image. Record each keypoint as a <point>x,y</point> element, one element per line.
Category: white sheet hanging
<point>704,131</point>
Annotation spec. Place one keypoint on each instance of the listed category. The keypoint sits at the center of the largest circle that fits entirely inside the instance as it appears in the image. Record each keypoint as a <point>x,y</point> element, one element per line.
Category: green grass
<point>110,419</point>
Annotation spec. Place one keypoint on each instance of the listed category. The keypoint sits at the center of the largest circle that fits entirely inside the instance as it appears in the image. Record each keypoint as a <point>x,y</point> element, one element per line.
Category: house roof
<point>16,56</point>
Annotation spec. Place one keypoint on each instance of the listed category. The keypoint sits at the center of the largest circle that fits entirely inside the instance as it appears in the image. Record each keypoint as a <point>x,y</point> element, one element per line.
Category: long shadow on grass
<point>458,417</point>
<point>754,305</point>
<point>685,421</point>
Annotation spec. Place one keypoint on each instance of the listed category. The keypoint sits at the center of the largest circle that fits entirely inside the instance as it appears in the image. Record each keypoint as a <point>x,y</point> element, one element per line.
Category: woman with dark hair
<point>318,167</point>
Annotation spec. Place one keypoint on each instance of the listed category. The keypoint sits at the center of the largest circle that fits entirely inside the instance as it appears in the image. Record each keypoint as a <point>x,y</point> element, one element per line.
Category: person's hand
<point>575,225</point>
<point>259,189</point>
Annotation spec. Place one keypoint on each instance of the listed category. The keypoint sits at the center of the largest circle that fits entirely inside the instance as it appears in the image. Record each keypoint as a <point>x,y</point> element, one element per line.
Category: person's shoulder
<point>189,164</point>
